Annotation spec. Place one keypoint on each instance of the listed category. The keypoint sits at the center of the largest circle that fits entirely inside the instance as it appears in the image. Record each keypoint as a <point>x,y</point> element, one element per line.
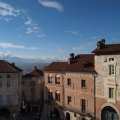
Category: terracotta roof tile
<point>80,63</point>
<point>6,67</point>
<point>35,73</point>
<point>108,49</point>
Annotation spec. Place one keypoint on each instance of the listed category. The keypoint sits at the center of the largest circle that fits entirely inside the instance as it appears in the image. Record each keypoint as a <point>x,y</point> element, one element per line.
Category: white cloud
<point>29,21</point>
<point>7,11</point>
<point>52,4</point>
<point>11,45</point>
<point>33,27</point>
<point>73,32</point>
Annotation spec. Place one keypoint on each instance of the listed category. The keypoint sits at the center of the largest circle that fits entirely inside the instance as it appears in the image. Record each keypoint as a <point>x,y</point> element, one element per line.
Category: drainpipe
<point>94,76</point>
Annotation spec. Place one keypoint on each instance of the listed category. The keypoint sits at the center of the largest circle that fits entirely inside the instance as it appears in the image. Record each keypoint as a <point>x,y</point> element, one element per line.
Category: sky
<point>42,29</point>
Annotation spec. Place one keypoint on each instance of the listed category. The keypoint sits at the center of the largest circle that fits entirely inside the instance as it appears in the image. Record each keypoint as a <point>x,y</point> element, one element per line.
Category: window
<point>23,81</point>
<point>111,69</point>
<point>33,83</point>
<point>83,83</point>
<point>111,59</point>
<point>57,96</point>
<point>8,100</point>
<point>23,95</point>
<point>0,83</point>
<point>49,78</point>
<point>32,93</point>
<point>69,99</point>
<point>68,81</point>
<point>83,105</point>
<point>8,82</point>
<point>111,92</point>
<point>50,96</point>
<point>8,76</point>
<point>0,99</point>
<point>57,79</point>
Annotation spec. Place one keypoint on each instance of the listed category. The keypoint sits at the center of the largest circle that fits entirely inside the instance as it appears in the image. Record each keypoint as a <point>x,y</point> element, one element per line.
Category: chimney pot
<point>13,63</point>
<point>71,55</point>
<point>35,67</point>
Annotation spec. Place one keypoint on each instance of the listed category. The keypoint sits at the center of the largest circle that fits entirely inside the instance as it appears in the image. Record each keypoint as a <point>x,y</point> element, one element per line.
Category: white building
<point>10,80</point>
<point>107,66</point>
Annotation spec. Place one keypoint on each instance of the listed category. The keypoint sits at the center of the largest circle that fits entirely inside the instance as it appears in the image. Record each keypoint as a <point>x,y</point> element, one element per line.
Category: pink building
<point>69,88</point>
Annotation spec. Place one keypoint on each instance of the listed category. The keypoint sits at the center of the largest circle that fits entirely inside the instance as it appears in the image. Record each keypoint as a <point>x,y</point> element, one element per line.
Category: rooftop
<point>6,67</point>
<point>35,73</point>
<point>103,48</point>
<point>80,63</point>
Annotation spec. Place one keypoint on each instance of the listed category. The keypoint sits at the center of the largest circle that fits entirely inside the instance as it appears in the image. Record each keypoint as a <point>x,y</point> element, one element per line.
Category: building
<point>33,89</point>
<point>10,89</point>
<point>69,88</point>
<point>107,66</point>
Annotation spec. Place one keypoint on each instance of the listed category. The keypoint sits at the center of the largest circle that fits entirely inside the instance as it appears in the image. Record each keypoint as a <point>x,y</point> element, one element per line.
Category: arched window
<point>67,116</point>
<point>109,113</point>
<point>57,96</point>
<point>50,95</point>
<point>57,79</point>
<point>49,78</point>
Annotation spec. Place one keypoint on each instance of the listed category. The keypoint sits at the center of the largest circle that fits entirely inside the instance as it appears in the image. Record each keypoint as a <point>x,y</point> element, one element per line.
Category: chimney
<point>13,63</point>
<point>72,55</point>
<point>35,67</point>
<point>69,61</point>
<point>101,44</point>
<point>103,41</point>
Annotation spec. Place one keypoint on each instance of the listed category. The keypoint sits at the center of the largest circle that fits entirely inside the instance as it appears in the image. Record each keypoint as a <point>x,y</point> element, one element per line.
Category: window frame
<point>111,69</point>
<point>0,83</point>
<point>69,82</point>
<point>111,59</point>
<point>50,79</point>
<point>83,83</point>
<point>57,79</point>
<point>69,100</point>
<point>50,96</point>
<point>57,96</point>
<point>111,93</point>
<point>83,105</point>
<point>8,82</point>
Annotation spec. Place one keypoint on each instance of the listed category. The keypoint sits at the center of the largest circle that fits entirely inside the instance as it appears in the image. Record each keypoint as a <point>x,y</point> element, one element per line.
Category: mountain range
<point>26,64</point>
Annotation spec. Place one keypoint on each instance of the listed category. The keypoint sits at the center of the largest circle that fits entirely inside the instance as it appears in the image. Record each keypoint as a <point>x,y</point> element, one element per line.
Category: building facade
<point>88,86</point>
<point>107,66</point>
<point>69,88</point>
<point>10,89</point>
<point>34,94</point>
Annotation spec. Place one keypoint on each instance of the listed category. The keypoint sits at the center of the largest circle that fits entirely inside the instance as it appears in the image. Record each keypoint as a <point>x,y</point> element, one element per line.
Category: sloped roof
<point>35,73</point>
<point>6,67</point>
<point>109,48</point>
<point>77,64</point>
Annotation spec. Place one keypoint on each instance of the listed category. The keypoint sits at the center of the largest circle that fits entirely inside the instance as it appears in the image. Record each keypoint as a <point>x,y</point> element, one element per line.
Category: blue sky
<point>43,29</point>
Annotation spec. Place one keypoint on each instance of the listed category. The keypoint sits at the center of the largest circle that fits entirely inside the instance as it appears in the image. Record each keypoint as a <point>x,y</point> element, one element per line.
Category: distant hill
<point>28,67</point>
<point>26,64</point>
